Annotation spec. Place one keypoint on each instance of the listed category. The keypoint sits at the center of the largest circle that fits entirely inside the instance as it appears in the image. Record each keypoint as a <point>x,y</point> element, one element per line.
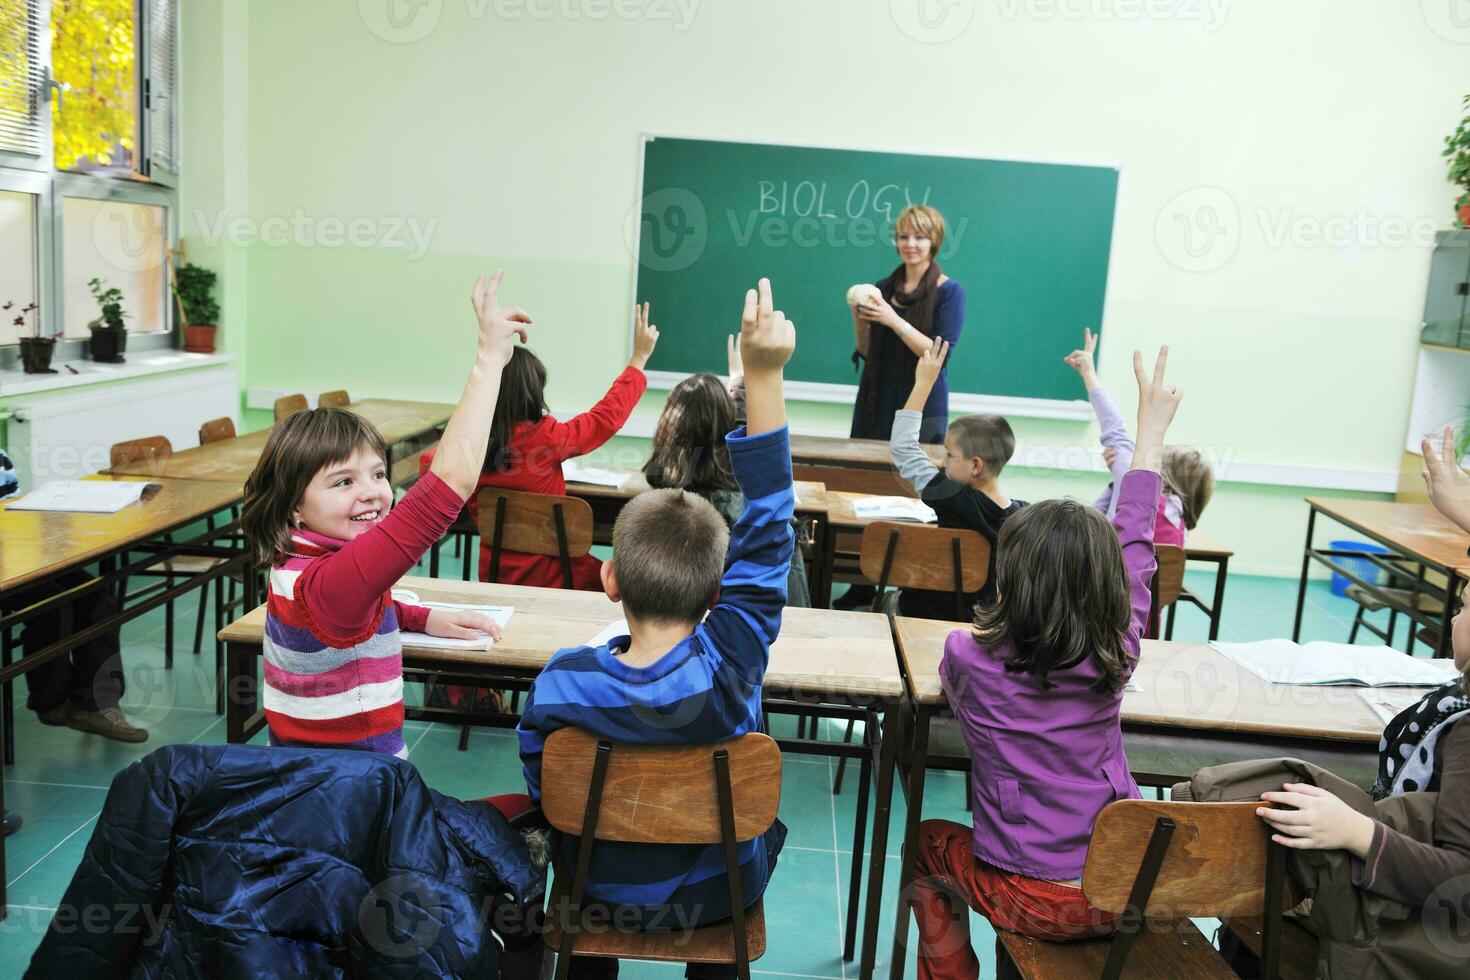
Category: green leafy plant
<point>1457,152</point>
<point>110,300</point>
<point>194,287</point>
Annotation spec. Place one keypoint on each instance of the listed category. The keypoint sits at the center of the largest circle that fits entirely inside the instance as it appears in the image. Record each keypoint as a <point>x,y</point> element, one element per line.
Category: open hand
<point>926,372</point>
<point>461,624</point>
<point>645,337</point>
<point>1320,821</point>
<point>1082,361</point>
<point>1449,485</point>
<point>767,338</point>
<point>499,325</point>
<point>1157,401</point>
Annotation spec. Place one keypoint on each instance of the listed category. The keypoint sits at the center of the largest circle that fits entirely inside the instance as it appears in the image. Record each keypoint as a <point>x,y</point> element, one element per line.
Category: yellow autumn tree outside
<point>93,56</point>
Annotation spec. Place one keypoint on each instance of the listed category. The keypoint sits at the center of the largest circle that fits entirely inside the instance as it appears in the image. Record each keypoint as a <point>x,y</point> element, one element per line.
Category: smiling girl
<point>317,512</point>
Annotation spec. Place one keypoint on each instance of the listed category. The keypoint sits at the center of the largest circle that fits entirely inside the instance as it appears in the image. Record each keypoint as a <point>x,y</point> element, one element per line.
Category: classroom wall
<point>352,173</point>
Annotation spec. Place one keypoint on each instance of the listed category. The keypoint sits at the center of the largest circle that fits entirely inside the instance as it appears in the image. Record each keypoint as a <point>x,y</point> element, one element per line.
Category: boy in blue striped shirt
<point>690,672</point>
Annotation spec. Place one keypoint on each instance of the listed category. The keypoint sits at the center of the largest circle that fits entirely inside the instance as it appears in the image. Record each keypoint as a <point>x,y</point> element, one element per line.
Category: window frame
<point>44,162</point>
<point>24,173</point>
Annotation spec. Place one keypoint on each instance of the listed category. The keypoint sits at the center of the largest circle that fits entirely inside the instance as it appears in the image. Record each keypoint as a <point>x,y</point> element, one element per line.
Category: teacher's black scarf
<point>889,360</point>
<point>1406,753</point>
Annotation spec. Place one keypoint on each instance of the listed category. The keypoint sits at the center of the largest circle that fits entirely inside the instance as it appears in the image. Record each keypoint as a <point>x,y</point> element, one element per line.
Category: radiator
<point>69,436</point>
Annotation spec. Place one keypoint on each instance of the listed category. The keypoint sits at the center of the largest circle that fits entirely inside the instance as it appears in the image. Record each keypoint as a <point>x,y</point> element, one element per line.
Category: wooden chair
<point>290,405</point>
<point>216,430</point>
<point>154,450</point>
<point>599,790</point>
<point>1166,585</point>
<point>333,399</point>
<point>532,523</point>
<point>1157,864</point>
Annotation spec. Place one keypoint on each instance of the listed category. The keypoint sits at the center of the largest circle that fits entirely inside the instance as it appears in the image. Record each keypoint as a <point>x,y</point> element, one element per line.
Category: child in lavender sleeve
<point>1188,480</point>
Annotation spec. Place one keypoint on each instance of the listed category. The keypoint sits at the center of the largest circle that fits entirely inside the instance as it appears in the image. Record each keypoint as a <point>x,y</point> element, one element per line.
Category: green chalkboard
<point>1028,241</point>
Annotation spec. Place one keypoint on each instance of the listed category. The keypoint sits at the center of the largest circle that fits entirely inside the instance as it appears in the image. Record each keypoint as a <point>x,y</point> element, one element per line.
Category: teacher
<point>918,303</point>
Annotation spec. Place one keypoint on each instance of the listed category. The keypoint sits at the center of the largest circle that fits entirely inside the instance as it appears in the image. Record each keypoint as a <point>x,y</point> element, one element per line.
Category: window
<point>89,154</point>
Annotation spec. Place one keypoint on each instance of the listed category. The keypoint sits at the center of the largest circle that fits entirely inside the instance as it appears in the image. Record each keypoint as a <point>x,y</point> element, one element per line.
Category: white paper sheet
<point>501,615</point>
<point>1322,663</point>
<point>574,472</point>
<point>83,496</point>
<point>894,509</point>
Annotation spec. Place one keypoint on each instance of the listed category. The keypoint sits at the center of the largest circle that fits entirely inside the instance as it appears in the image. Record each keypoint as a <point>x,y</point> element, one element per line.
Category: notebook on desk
<point>574,472</point>
<point>501,615</point>
<point>1322,663</point>
<point>84,496</point>
<point>894,509</point>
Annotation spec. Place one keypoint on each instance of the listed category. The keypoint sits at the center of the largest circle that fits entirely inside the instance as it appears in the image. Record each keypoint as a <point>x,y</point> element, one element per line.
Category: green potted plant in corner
<point>1457,152</point>
<point>109,336</point>
<point>35,350</point>
<point>194,287</point>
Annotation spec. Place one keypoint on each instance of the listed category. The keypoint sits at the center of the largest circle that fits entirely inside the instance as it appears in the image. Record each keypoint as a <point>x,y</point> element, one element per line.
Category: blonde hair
<point>926,221</point>
<point>1188,477</point>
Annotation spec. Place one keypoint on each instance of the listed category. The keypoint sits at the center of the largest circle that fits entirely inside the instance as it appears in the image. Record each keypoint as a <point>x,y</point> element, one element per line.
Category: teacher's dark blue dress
<point>884,392</point>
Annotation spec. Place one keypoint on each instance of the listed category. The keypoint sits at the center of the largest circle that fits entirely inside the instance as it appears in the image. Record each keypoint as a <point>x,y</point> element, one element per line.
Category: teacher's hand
<point>878,311</point>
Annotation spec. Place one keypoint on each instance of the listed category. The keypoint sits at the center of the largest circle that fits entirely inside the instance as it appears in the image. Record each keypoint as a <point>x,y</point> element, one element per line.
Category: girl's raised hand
<point>645,337</point>
<point>1082,361</point>
<point>499,325</point>
<point>1157,401</point>
<point>926,372</point>
<point>767,338</point>
<point>1449,486</point>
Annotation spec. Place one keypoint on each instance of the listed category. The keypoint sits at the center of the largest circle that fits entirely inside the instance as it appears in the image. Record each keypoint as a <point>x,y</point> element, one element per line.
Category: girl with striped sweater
<point>317,513</point>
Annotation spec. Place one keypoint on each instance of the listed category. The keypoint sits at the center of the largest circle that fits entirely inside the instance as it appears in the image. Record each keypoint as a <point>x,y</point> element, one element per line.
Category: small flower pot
<point>35,354</point>
<point>107,346</point>
<point>199,338</point>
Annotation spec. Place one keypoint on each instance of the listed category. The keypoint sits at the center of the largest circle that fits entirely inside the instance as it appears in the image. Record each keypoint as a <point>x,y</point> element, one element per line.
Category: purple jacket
<point>1046,761</point>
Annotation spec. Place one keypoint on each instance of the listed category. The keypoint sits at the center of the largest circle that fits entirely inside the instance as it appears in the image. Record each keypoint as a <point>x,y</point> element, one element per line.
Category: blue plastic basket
<point>1361,567</point>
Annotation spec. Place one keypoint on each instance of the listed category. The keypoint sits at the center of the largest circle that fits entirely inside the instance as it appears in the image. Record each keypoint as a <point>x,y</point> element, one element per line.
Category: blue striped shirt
<point>705,689</point>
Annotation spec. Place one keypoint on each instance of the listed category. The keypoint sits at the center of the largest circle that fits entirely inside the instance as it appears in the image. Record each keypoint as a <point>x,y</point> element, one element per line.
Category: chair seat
<point>1163,951</point>
<point>1404,598</point>
<point>184,565</point>
<point>1298,946</point>
<point>707,944</point>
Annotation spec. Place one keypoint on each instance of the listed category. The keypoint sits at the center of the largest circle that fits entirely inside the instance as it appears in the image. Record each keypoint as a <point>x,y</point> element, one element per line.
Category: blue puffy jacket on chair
<point>242,861</point>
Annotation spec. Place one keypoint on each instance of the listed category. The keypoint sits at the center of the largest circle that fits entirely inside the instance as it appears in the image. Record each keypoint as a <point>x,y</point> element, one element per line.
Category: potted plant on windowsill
<point>35,350</point>
<point>194,288</point>
<point>109,336</point>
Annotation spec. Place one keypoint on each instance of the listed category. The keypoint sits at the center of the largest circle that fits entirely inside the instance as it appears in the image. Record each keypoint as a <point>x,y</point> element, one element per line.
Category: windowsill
<point>14,381</point>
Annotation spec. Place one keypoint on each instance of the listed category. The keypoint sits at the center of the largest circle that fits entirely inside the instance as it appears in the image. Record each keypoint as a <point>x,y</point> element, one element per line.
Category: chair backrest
<point>917,556</point>
<point>659,794</point>
<point>136,450</point>
<point>1215,863</point>
<point>290,405</point>
<point>1170,575</point>
<point>216,429</point>
<point>533,523</point>
<point>333,399</point>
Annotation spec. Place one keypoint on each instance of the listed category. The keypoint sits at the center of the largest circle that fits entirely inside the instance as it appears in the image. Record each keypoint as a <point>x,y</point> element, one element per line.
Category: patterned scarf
<point>1406,761</point>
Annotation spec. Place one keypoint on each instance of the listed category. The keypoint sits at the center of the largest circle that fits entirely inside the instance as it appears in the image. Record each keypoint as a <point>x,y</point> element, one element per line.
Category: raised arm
<point>461,451</point>
<point>1138,491</point>
<point>913,464</point>
<point>1449,485</point>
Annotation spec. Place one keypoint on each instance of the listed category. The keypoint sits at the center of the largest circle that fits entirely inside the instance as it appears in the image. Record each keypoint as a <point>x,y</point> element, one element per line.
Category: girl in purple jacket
<point>1037,688</point>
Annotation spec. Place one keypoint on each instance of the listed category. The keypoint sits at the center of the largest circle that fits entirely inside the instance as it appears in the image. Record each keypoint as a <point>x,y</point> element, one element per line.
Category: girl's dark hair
<point>1062,593</point>
<point>298,447</point>
<point>522,399</point>
<point>689,451</point>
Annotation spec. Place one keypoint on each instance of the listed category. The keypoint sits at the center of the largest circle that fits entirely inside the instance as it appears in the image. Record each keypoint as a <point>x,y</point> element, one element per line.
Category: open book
<point>894,509</point>
<point>575,472</point>
<point>84,496</point>
<point>1285,662</point>
<point>501,615</point>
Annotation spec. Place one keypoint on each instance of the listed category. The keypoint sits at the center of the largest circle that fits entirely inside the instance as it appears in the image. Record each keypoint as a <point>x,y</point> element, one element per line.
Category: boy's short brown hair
<point>669,555</point>
<point>987,436</point>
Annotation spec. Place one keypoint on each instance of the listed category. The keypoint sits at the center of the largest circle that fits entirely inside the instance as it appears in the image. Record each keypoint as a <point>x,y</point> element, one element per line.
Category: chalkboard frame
<point>960,402</point>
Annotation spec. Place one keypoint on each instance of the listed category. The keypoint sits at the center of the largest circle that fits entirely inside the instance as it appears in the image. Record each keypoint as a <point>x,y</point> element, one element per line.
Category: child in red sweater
<point>528,445</point>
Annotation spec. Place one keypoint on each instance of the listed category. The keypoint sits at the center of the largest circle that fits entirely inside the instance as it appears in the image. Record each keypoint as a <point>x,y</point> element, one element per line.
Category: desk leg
<point>7,708</point>
<point>860,831</point>
<point>1301,590</point>
<point>1451,593</point>
<point>917,767</point>
<point>240,700</point>
<point>1217,607</point>
<point>882,805</point>
<point>2,845</point>
<point>820,574</point>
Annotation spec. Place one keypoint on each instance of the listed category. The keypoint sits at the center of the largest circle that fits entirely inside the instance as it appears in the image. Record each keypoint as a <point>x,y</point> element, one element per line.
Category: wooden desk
<point>38,546</point>
<point>822,657</point>
<point>860,465</point>
<point>811,502</point>
<point>1200,547</point>
<point>1193,708</point>
<point>402,425</point>
<point>1423,545</point>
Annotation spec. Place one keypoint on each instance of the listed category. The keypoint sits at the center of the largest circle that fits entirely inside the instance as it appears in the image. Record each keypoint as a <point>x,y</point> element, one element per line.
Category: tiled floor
<point>60,780</point>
